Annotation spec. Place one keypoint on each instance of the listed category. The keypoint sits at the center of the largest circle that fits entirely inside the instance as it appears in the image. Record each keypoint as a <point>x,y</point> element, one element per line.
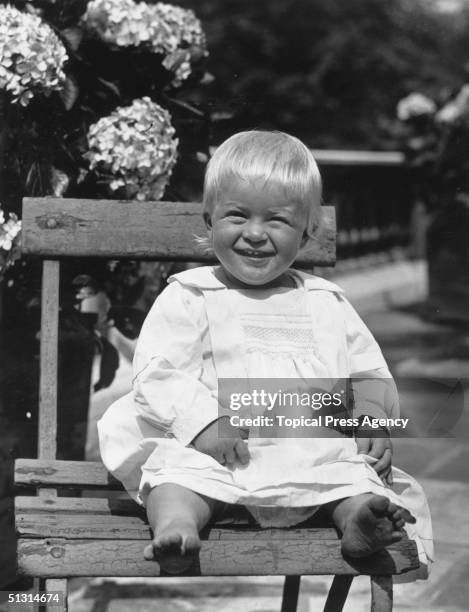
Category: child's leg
<point>368,523</point>
<point>176,515</point>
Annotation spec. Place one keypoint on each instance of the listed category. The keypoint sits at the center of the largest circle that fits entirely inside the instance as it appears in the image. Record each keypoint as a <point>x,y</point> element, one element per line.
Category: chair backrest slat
<point>47,444</point>
<point>57,227</point>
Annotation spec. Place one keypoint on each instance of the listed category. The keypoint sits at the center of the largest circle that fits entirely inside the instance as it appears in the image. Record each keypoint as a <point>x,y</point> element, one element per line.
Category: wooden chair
<point>61,536</point>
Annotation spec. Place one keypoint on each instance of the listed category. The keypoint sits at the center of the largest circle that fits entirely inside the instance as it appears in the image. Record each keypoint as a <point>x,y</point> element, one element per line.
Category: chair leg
<point>291,589</point>
<point>58,585</point>
<point>338,593</point>
<point>381,593</point>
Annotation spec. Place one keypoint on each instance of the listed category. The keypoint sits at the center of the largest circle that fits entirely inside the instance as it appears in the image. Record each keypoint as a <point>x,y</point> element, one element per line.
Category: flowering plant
<point>98,131</point>
<point>9,241</point>
<point>415,105</point>
<point>115,51</point>
<point>32,56</point>
<point>136,145</point>
<point>436,139</point>
<point>162,28</point>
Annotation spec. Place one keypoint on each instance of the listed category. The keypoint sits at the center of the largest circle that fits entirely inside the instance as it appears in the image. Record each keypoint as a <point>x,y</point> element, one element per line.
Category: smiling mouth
<point>254,253</point>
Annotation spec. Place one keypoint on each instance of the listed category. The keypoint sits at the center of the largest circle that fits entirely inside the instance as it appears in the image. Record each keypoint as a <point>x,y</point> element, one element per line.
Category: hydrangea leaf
<point>69,93</point>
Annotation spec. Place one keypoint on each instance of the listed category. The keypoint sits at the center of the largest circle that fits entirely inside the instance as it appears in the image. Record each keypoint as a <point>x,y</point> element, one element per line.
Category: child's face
<point>256,231</point>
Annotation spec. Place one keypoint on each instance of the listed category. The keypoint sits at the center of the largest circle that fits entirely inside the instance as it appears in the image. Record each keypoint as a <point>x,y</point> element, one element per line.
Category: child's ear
<point>304,239</point>
<point>208,221</point>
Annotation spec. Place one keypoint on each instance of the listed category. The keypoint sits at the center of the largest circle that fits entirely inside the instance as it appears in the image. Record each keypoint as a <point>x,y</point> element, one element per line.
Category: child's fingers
<point>218,455</point>
<point>242,451</point>
<point>378,446</point>
<point>230,456</point>
<point>244,433</point>
<point>386,476</point>
<point>363,445</point>
<point>384,463</point>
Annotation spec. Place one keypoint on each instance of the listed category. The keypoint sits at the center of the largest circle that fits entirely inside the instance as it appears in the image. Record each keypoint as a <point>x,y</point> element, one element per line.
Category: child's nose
<point>254,231</point>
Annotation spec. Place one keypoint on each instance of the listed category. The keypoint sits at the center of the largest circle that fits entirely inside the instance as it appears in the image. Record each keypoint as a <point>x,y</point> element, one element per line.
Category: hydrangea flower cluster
<point>9,240</point>
<point>135,148</point>
<point>456,109</point>
<point>31,56</point>
<point>415,105</point>
<point>435,140</point>
<point>162,28</point>
<point>419,105</point>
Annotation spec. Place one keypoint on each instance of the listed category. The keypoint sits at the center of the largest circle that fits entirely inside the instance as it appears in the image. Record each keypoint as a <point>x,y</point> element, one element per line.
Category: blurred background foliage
<point>329,72</point>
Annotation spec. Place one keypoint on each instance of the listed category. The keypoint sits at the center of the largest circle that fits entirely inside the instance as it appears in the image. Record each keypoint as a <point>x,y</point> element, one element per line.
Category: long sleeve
<point>363,351</point>
<point>168,387</point>
<point>373,386</point>
<point>375,394</point>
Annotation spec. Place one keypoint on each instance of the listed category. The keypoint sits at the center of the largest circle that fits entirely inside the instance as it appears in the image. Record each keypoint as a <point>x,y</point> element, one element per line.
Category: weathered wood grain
<point>111,502</point>
<point>76,505</point>
<point>47,440</point>
<point>82,526</point>
<point>53,523</point>
<point>76,474</point>
<point>61,227</point>
<point>241,557</point>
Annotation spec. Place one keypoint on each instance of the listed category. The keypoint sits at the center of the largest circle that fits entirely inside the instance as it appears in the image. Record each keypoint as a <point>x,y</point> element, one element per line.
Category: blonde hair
<point>267,156</point>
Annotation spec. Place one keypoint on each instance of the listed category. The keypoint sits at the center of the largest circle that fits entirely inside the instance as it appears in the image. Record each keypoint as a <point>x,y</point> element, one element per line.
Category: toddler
<point>254,317</point>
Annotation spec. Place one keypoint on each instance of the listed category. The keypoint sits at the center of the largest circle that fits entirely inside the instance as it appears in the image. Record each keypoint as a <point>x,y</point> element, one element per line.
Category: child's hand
<point>381,449</point>
<point>223,442</point>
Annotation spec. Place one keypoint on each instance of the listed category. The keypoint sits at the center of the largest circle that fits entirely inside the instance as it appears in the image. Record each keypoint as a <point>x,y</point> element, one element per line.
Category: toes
<point>398,514</point>
<point>166,542</point>
<point>402,513</point>
<point>190,545</point>
<point>396,536</point>
<point>379,505</point>
<point>408,517</point>
<point>397,518</point>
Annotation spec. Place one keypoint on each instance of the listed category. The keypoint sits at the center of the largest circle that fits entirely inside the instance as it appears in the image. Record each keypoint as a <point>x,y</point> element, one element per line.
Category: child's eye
<point>281,219</point>
<point>235,213</point>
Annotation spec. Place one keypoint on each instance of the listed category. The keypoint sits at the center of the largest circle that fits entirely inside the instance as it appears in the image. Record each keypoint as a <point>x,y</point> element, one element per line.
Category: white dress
<point>201,330</point>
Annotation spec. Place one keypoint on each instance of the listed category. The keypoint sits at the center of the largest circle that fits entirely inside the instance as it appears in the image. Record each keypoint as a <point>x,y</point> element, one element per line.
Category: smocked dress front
<point>201,330</point>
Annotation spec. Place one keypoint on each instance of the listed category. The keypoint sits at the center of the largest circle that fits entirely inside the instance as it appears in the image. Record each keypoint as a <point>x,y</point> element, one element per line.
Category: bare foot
<point>175,547</point>
<point>369,523</point>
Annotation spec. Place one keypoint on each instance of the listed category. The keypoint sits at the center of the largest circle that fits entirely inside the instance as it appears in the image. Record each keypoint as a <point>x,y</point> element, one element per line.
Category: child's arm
<point>375,395</point>
<point>169,389</point>
<point>223,442</point>
<point>373,387</point>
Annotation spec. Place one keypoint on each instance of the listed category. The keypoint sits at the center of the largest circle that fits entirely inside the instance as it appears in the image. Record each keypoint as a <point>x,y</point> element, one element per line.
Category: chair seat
<point>65,536</point>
